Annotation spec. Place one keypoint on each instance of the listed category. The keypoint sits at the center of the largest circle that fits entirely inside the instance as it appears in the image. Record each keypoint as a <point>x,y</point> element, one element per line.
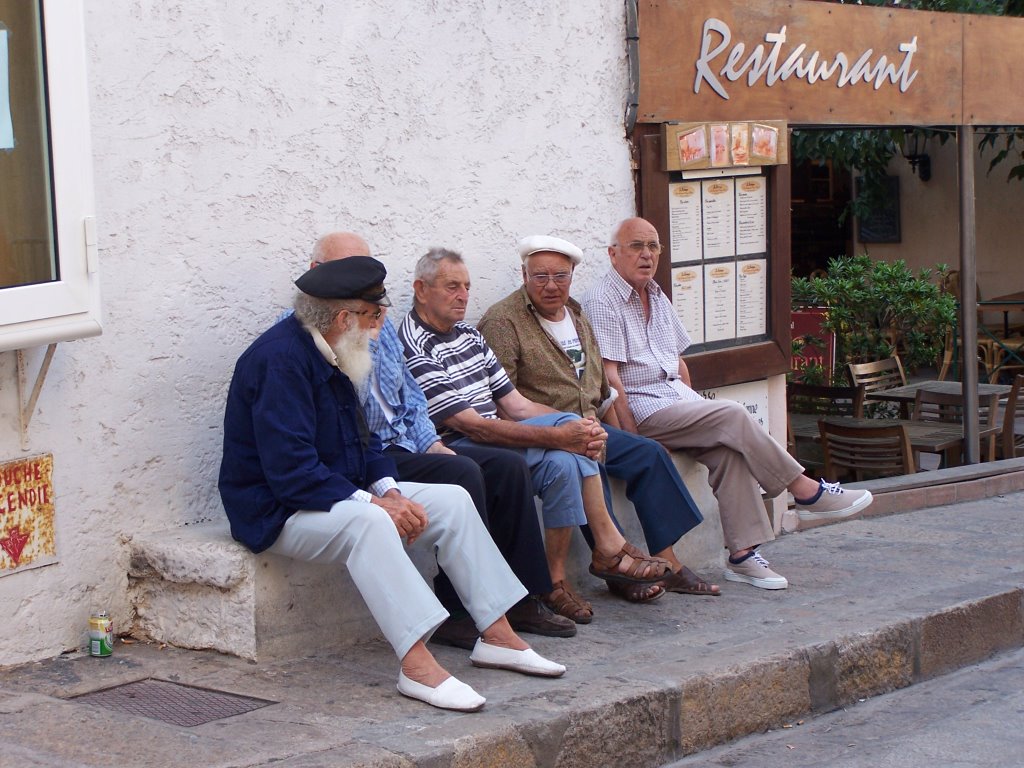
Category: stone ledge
<point>195,587</point>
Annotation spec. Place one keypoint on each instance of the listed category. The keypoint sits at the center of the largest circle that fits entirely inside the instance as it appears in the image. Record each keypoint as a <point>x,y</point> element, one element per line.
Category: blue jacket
<point>291,436</point>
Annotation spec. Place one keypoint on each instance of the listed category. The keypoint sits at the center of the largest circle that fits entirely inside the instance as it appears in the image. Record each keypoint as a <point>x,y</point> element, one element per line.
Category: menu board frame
<point>740,359</point>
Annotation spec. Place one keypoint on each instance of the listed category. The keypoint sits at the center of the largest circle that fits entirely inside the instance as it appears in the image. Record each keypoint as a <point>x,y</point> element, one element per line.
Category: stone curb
<point>664,724</point>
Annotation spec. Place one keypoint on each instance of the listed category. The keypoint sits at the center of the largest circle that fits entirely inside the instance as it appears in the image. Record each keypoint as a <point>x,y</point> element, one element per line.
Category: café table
<point>1011,302</point>
<point>906,394</point>
<point>925,436</point>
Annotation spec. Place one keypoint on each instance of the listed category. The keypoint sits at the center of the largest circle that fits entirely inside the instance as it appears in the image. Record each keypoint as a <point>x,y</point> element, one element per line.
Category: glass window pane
<point>27,244</point>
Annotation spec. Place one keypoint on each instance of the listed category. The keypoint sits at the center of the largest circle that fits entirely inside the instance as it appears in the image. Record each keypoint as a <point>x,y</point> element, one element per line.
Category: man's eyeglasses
<point>373,315</point>
<point>638,246</point>
<point>560,278</point>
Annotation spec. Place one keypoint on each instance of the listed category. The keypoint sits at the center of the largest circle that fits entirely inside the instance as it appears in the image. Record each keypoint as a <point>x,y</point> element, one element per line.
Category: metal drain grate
<point>173,703</point>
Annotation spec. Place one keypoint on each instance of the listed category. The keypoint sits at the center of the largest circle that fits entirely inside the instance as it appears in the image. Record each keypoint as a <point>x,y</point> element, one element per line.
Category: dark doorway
<point>820,193</point>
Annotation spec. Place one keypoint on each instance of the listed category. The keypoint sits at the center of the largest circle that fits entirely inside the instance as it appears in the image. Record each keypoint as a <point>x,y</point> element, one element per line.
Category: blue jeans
<point>557,475</point>
<point>664,507</point>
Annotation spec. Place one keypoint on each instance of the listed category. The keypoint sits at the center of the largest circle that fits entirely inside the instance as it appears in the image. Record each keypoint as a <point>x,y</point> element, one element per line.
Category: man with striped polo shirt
<point>467,390</point>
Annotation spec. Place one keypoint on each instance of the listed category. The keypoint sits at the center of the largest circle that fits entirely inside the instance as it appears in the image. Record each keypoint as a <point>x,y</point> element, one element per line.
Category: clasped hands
<point>409,517</point>
<point>586,437</point>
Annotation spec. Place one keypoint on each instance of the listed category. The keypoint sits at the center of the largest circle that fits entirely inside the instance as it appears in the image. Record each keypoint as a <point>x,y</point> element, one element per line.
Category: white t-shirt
<point>564,332</point>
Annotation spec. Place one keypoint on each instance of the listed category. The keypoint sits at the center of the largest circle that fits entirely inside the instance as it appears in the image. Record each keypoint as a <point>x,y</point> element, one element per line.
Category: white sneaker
<point>755,571</point>
<point>834,502</point>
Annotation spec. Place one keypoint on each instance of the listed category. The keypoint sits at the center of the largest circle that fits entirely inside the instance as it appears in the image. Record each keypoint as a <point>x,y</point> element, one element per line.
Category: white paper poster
<point>751,216</point>
<point>751,297</point>
<point>720,301</point>
<point>688,299</point>
<point>684,221</point>
<point>718,207</point>
<point>6,127</point>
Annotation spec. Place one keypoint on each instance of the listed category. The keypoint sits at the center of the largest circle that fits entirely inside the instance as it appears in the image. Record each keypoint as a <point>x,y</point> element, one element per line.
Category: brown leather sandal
<point>607,568</point>
<point>636,593</point>
<point>563,601</point>
<point>686,582</point>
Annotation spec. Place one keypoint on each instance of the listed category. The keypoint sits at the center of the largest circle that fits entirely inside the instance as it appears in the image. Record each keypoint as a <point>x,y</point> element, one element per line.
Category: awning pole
<point>968,291</point>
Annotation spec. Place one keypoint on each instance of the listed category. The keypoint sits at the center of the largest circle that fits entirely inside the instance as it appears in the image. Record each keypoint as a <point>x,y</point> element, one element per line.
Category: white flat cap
<point>537,243</point>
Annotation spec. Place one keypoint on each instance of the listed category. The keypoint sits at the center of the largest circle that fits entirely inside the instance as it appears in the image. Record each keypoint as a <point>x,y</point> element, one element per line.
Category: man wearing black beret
<point>302,477</point>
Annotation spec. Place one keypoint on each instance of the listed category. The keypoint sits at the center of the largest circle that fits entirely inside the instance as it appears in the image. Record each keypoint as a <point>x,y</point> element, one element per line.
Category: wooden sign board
<point>815,63</point>
<point>725,145</point>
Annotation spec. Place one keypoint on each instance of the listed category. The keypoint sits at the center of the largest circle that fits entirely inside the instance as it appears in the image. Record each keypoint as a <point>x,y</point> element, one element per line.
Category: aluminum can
<point>101,634</point>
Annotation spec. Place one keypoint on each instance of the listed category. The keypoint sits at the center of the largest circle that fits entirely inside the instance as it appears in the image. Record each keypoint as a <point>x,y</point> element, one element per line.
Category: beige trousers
<point>739,455</point>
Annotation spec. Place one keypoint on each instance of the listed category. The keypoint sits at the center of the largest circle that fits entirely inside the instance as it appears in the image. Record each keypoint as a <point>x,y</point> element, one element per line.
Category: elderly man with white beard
<point>302,477</point>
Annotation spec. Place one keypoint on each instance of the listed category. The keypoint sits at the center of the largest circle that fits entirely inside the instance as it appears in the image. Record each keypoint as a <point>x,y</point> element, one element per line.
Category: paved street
<point>973,717</point>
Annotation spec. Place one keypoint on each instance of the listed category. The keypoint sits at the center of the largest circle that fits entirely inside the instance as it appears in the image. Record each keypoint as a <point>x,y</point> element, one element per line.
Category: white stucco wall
<point>226,137</point>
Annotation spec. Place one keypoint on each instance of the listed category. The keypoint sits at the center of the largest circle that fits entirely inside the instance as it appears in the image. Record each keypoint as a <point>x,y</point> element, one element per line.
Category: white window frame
<point>68,308</point>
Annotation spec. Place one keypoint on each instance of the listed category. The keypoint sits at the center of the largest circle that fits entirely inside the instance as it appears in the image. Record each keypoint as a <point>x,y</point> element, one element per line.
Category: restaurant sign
<point>26,514</point>
<point>824,63</point>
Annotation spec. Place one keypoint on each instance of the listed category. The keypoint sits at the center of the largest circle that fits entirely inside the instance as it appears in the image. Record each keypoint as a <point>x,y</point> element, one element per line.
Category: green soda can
<point>101,634</point>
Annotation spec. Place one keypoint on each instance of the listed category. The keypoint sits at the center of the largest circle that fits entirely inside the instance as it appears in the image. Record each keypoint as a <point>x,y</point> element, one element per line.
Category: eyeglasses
<point>373,315</point>
<point>560,278</point>
<point>638,246</point>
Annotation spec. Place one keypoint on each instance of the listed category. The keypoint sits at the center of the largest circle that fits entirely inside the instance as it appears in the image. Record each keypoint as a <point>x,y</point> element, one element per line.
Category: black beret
<point>357,277</point>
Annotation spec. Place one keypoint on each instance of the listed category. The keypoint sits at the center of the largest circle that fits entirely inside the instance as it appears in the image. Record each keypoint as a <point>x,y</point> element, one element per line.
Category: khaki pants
<point>363,538</point>
<point>739,455</point>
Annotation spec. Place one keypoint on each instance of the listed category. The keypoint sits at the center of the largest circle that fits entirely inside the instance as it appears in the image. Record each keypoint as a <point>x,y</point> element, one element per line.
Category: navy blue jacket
<point>291,436</point>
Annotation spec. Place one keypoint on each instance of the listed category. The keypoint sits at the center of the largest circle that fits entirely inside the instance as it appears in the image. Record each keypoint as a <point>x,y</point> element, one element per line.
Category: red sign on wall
<point>819,345</point>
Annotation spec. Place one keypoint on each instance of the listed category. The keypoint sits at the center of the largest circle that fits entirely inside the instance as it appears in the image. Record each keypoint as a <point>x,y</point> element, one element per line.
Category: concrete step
<point>874,605</point>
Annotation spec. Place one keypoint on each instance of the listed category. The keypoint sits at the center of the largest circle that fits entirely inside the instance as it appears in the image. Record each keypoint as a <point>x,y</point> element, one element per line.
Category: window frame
<point>69,307</point>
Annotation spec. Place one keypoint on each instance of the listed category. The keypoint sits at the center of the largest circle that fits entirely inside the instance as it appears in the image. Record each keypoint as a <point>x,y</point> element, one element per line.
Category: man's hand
<point>439,447</point>
<point>409,517</point>
<point>583,436</point>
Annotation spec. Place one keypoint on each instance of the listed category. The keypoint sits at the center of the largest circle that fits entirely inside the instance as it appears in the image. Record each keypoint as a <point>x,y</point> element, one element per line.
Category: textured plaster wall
<point>227,136</point>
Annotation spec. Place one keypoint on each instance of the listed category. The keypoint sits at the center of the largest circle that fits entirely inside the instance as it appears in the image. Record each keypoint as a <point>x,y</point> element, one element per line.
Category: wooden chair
<point>832,401</point>
<point>1011,440</point>
<point>878,374</point>
<point>881,451</point>
<point>948,407</point>
<point>819,400</point>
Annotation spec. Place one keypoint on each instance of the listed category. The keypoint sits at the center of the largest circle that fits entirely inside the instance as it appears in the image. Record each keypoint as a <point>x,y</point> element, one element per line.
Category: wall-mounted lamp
<point>914,142</point>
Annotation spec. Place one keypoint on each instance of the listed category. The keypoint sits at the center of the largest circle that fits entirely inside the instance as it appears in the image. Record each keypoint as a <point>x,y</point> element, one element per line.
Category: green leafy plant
<point>877,309</point>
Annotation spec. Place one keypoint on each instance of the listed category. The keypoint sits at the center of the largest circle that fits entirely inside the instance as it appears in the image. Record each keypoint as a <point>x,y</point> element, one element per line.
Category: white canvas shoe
<point>529,662</point>
<point>755,571</point>
<point>451,694</point>
<point>833,503</point>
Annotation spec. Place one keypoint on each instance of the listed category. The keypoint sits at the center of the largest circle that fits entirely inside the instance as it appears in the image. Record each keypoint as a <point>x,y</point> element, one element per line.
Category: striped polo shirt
<point>456,370</point>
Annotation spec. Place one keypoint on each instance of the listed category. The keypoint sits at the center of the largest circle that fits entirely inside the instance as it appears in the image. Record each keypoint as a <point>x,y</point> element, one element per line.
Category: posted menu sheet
<point>719,244</point>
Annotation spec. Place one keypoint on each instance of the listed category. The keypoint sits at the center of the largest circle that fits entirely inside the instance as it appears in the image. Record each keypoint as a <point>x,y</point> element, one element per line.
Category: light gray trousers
<point>739,455</point>
<point>363,537</point>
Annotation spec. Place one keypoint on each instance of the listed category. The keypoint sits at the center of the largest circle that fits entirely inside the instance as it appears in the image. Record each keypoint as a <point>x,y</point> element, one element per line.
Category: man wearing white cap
<point>549,352</point>
<point>472,401</point>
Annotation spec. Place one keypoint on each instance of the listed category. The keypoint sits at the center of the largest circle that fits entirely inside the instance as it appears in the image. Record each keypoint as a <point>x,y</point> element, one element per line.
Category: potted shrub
<point>877,309</point>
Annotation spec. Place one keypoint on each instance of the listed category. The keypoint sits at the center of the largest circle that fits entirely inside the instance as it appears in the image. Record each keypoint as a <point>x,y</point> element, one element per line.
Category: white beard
<point>354,358</point>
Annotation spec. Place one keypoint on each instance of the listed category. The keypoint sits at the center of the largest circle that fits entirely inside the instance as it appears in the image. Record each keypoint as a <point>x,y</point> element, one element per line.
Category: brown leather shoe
<point>460,633</point>
<point>532,616</point>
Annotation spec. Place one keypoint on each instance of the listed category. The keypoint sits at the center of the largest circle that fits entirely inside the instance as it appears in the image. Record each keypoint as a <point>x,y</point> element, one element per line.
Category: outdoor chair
<point>821,400</point>
<point>1011,442</point>
<point>878,374</point>
<point>949,408</point>
<point>865,452</point>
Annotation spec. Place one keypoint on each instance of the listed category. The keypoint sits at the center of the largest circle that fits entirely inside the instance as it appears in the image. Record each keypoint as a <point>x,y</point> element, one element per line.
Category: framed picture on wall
<point>882,226</point>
